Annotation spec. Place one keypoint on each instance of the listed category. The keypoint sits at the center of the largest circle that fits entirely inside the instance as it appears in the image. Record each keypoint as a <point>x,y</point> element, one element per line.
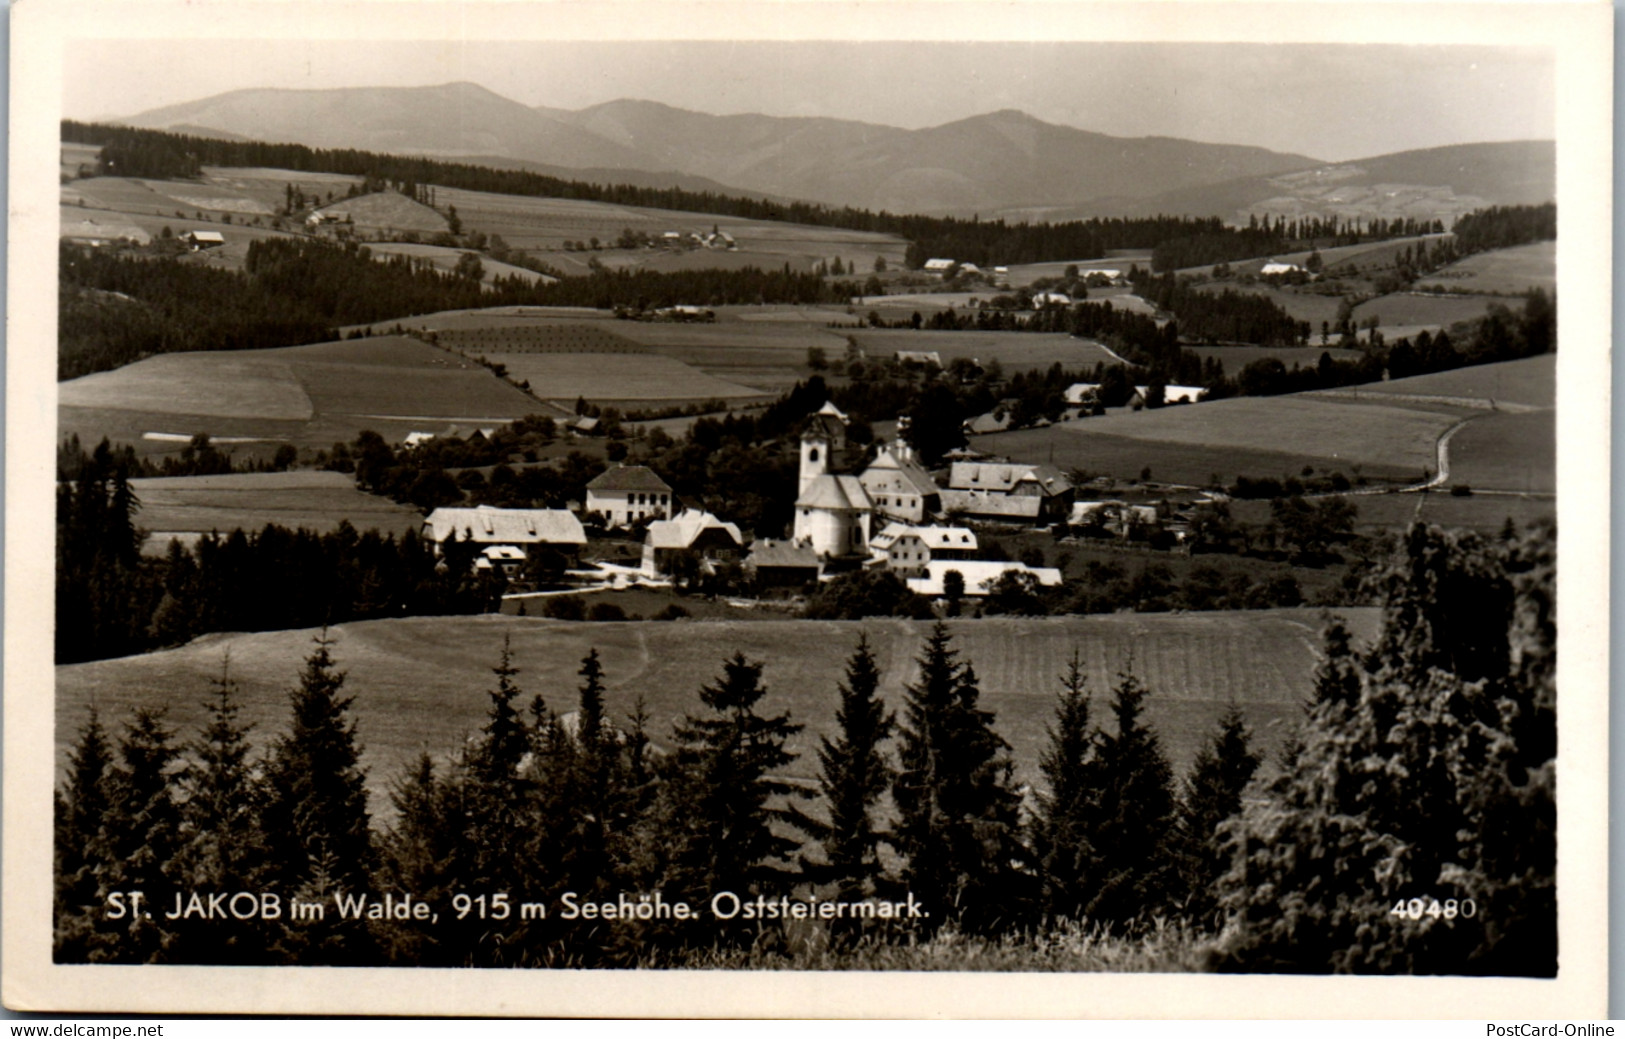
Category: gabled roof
<point>826,426</point>
<point>946,537</point>
<point>683,531</point>
<point>888,536</point>
<point>489,526</point>
<point>844,493</point>
<point>767,552</point>
<point>628,478</point>
<point>890,475</point>
<point>984,503</point>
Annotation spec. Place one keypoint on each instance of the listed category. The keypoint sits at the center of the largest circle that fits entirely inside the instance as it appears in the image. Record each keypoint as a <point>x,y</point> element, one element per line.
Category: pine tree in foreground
<point>956,799</point>
<point>143,833</point>
<point>853,778</point>
<point>80,846</point>
<point>1067,816</point>
<point>1212,796</point>
<point>1134,875</point>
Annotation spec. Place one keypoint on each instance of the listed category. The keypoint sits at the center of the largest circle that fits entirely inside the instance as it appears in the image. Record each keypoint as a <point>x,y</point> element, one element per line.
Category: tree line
<point>1264,238</point>
<point>1408,828</point>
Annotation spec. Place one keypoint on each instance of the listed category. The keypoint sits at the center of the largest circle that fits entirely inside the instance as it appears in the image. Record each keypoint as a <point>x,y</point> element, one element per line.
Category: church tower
<point>815,448</point>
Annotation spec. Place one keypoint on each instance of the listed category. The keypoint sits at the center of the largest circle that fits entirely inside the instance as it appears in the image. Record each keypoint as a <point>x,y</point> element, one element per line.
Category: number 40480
<point>1449,909</point>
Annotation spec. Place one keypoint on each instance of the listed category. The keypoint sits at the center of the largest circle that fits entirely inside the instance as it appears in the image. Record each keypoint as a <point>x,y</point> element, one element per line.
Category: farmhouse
<point>518,528</point>
<point>692,531</point>
<point>1081,392</point>
<point>782,565</point>
<point>980,575</point>
<point>1007,491</point>
<point>925,357</point>
<point>899,487</point>
<point>939,266</point>
<point>197,240</point>
<point>1274,267</point>
<point>833,511</point>
<point>628,493</point>
<point>907,549</point>
<point>1051,299</point>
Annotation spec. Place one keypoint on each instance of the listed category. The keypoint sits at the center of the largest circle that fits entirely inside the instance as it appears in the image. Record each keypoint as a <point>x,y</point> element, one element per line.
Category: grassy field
<point>1506,452</point>
<point>1252,435</point>
<point>1503,271</point>
<point>1235,358</point>
<point>618,376</point>
<point>1405,314</point>
<point>1530,382</point>
<point>315,500</point>
<point>1015,351</point>
<point>1485,513</point>
<point>445,258</point>
<point>420,683</point>
<point>306,395</point>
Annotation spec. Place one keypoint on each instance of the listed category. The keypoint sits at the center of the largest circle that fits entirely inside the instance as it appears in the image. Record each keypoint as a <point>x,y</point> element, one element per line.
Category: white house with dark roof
<point>907,549</point>
<point>939,266</point>
<point>899,486</point>
<point>628,493</point>
<point>519,528</point>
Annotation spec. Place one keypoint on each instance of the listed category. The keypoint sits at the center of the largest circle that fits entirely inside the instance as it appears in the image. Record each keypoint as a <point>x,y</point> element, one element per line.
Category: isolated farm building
<point>524,529</point>
<point>1008,491</point>
<point>939,266</point>
<point>197,240</point>
<point>1081,393</point>
<point>692,531</point>
<point>1174,394</point>
<point>979,574</point>
<point>1118,517</point>
<point>1274,267</point>
<point>628,493</point>
<point>1102,277</point>
<point>1051,299</point>
<point>907,549</point>
<point>833,511</point>
<point>782,565</point>
<point>923,357</point>
<point>583,425</point>
<point>899,487</point>
<point>417,437</point>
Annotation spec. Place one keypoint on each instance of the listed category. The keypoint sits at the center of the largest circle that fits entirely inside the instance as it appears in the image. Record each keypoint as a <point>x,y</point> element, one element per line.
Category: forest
<point>1408,828</point>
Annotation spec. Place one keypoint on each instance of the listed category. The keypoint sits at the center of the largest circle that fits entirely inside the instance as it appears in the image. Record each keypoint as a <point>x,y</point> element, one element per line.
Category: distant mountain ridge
<point>1001,163</point>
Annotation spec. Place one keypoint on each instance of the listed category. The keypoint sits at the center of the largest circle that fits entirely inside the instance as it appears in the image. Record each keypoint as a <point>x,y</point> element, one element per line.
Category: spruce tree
<point>80,851</point>
<point>854,776</point>
<point>718,815</point>
<point>956,798</point>
<point>143,833</point>
<point>1063,827</point>
<point>317,808</point>
<point>1211,796</point>
<point>1136,813</point>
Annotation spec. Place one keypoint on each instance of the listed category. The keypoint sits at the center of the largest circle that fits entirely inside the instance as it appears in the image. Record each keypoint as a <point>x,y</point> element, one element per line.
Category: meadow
<point>1235,358</point>
<point>1511,271</point>
<point>619,377</point>
<point>1404,314</point>
<point>1506,452</point>
<point>1254,436</point>
<point>1527,383</point>
<point>420,683</point>
<point>314,500</point>
<point>445,258</point>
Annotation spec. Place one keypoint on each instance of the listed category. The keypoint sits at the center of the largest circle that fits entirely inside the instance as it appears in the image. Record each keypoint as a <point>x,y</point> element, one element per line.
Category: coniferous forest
<point>1408,827</point>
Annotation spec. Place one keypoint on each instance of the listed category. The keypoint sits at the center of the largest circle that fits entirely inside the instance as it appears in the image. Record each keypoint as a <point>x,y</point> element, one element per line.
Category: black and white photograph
<point>838,509</point>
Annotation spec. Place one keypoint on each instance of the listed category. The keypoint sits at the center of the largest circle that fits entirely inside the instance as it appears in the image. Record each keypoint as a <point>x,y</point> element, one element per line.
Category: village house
<point>939,266</point>
<point>198,240</point>
<point>928,358</point>
<point>907,549</point>
<point>521,529</point>
<point>628,493</point>
<point>1275,267</point>
<point>701,533</point>
<point>980,575</point>
<point>899,487</point>
<point>1007,491</point>
<point>776,565</point>
<point>1051,299</point>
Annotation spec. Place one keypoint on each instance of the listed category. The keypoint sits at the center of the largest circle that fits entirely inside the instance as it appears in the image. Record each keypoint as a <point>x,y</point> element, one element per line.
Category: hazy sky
<point>1327,101</point>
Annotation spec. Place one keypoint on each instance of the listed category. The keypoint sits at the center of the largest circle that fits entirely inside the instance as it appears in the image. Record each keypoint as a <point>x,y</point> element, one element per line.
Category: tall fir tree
<point>718,815</point>
<point>80,850</point>
<point>143,828</point>
<point>1067,817</point>
<point>956,799</point>
<point>854,776</point>
<point>1212,793</point>
<point>316,804</point>
<point>1135,875</point>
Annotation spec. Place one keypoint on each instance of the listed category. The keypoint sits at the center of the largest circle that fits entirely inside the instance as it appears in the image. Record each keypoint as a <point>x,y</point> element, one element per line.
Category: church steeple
<point>815,448</point>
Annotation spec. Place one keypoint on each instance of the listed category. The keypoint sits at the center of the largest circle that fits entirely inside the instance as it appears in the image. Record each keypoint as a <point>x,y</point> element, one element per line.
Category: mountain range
<point>1004,163</point>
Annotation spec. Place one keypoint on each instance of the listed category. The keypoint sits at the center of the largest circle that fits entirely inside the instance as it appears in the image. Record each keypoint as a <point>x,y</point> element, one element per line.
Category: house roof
<point>685,529</point>
<point>1002,477</point>
<point>888,474</point>
<point>844,493</point>
<point>938,264</point>
<point>983,503</point>
<point>506,526</point>
<point>767,552</point>
<point>1076,392</point>
<point>946,537</point>
<point>204,236</point>
<point>628,478</point>
<point>979,575</point>
<point>921,356</point>
<point>888,536</point>
<point>1171,393</point>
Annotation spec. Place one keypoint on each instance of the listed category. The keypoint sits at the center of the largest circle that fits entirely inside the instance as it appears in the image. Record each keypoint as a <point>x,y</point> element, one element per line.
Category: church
<point>834,512</point>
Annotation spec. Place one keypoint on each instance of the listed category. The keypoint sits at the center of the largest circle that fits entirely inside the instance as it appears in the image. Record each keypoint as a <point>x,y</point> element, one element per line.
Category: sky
<point>1328,101</point>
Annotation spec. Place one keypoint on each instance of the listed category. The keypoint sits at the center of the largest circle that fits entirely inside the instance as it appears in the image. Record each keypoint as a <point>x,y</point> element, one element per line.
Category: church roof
<point>890,474</point>
<point>843,493</point>
<point>826,426</point>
